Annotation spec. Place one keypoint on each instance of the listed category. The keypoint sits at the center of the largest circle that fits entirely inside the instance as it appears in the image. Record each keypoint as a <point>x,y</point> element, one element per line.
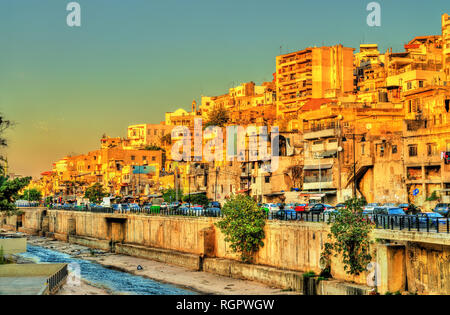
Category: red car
<point>301,207</point>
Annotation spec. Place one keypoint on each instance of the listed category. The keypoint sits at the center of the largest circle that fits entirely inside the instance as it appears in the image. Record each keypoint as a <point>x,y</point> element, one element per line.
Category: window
<point>267,179</point>
<point>394,149</point>
<point>144,158</point>
<point>412,150</point>
<point>421,84</point>
<point>431,149</point>
<point>133,157</point>
<point>409,86</point>
<point>153,158</point>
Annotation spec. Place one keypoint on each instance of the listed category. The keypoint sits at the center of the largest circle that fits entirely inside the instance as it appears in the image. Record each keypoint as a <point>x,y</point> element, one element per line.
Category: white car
<point>371,206</point>
<point>272,208</point>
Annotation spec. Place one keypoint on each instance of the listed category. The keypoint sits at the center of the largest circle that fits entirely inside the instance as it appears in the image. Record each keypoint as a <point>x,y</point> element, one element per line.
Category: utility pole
<point>175,180</point>
<point>215,187</point>
<point>188,173</point>
<point>248,170</point>
<point>354,165</point>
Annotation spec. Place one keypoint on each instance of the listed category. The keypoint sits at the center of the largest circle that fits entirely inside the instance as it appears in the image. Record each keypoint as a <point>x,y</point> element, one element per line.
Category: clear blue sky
<point>131,61</point>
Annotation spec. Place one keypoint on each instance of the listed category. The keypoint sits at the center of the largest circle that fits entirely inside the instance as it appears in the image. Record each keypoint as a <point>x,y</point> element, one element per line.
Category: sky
<point>131,61</point>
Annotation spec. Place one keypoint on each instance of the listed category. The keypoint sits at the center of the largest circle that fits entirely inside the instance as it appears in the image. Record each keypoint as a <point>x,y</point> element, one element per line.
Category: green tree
<point>32,195</point>
<point>95,193</point>
<point>217,117</point>
<point>243,226</point>
<point>9,192</point>
<point>4,124</point>
<point>169,195</point>
<point>349,238</point>
<point>153,148</point>
<point>197,199</point>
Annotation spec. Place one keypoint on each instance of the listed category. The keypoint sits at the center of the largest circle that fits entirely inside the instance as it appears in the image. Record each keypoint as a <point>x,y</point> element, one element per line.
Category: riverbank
<point>200,282</point>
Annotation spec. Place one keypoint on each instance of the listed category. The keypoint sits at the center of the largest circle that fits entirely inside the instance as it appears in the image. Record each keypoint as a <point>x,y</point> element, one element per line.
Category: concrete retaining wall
<point>90,242</point>
<point>292,247</point>
<point>190,261</point>
<point>12,246</point>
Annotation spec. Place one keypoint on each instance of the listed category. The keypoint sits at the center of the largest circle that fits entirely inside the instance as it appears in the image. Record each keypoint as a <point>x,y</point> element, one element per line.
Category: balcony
<point>318,134</point>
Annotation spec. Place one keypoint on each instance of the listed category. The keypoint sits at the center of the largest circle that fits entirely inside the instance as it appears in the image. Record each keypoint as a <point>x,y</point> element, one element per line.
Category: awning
<point>197,193</point>
<point>316,192</point>
<point>316,167</point>
<point>274,194</point>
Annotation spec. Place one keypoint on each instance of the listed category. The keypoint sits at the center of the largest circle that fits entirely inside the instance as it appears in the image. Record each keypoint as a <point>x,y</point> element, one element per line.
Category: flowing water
<point>116,281</point>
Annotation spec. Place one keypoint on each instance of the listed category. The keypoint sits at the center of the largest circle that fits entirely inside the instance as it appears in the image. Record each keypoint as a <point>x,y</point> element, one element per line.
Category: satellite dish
<point>340,149</point>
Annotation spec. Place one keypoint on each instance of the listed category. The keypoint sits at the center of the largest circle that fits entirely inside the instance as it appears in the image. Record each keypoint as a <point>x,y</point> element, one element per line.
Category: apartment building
<point>318,72</point>
<point>446,45</point>
<point>243,98</point>
<point>147,134</point>
<point>341,141</point>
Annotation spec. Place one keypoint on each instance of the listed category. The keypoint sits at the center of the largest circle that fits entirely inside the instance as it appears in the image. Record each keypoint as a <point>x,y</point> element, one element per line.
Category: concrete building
<point>318,72</point>
<point>147,134</point>
<point>446,45</point>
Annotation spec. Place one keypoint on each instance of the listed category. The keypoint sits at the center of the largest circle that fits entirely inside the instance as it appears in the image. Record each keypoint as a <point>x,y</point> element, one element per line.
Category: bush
<point>350,238</point>
<point>243,225</point>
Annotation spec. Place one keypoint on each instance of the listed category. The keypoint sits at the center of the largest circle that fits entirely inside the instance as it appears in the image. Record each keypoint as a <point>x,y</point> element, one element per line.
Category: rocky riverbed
<point>200,282</point>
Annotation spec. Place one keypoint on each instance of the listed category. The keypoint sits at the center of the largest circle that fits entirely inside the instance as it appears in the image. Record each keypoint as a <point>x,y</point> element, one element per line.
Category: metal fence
<point>57,279</point>
<point>390,222</point>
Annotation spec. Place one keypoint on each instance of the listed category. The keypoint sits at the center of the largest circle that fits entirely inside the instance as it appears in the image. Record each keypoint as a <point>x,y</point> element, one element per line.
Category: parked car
<point>320,208</point>
<point>410,209</point>
<point>389,211</point>
<point>271,208</point>
<point>301,207</point>
<point>431,218</point>
<point>214,204</point>
<point>192,211</point>
<point>340,206</point>
<point>288,214</point>
<point>124,207</point>
<point>134,207</point>
<point>164,205</point>
<point>370,207</point>
<point>290,206</point>
<point>182,210</point>
<point>442,209</point>
<point>213,212</point>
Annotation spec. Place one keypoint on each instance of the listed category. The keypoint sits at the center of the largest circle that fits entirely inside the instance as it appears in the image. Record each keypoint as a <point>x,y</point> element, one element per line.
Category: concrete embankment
<point>291,249</point>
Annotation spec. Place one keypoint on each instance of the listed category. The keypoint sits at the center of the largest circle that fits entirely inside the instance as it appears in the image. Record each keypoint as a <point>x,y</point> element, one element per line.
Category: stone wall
<point>419,263</point>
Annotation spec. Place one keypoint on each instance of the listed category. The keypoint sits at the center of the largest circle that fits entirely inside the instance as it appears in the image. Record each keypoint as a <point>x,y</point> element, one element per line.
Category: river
<point>117,282</point>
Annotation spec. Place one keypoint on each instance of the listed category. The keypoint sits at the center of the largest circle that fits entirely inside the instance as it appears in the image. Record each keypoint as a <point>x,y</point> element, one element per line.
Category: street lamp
<point>363,139</point>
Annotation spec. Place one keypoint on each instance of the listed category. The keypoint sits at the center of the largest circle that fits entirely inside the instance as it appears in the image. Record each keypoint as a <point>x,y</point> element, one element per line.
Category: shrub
<point>243,225</point>
<point>350,238</point>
